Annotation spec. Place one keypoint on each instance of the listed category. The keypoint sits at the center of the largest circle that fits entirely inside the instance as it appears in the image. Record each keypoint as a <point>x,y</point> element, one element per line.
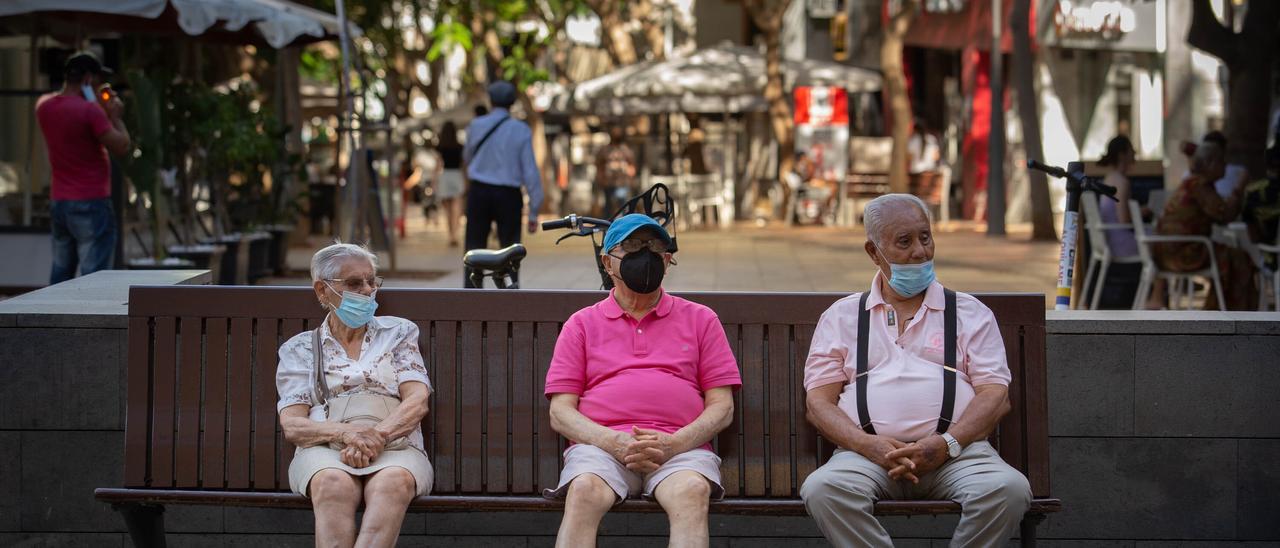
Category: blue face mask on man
<point>909,280</point>
<point>356,310</point>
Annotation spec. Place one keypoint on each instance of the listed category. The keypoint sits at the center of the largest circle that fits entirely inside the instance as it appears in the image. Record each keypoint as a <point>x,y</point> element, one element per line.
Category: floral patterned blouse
<point>1191,211</point>
<point>389,356</point>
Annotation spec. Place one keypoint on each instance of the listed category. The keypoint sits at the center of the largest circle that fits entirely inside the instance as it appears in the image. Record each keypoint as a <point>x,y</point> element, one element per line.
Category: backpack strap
<point>860,381</point>
<point>949,362</point>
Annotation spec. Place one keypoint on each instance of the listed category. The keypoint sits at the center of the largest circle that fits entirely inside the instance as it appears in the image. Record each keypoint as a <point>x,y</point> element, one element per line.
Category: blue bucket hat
<point>623,226</point>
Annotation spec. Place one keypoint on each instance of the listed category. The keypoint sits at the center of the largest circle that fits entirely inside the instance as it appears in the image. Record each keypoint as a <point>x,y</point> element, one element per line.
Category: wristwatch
<point>953,446</point>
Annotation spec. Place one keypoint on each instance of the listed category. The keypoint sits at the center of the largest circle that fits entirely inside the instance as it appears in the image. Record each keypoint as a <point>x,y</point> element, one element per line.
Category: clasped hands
<point>906,461</point>
<point>642,451</point>
<point>361,446</point>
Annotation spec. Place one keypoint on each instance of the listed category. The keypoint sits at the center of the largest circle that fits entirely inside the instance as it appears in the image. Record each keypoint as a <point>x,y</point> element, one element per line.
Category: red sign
<point>821,106</point>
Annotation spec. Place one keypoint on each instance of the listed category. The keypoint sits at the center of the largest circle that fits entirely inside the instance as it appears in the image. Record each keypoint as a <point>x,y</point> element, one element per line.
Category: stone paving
<point>745,257</point>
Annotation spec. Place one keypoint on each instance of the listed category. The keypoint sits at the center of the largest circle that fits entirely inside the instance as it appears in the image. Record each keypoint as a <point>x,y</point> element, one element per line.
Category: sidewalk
<point>742,258</point>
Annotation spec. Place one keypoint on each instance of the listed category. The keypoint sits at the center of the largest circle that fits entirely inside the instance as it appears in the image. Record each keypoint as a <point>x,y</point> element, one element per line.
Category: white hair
<point>326,264</point>
<point>873,215</point>
<point>1207,154</point>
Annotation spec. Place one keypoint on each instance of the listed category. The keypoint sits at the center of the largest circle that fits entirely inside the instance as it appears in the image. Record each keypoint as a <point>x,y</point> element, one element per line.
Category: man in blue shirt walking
<point>499,159</point>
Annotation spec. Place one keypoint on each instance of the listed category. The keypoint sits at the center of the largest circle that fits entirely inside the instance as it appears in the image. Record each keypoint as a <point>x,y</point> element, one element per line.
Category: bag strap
<point>322,388</point>
<point>485,139</point>
<point>860,381</point>
<point>949,362</point>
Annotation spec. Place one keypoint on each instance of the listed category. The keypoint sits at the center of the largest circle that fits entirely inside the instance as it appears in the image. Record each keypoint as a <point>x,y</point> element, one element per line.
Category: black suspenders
<point>948,370</point>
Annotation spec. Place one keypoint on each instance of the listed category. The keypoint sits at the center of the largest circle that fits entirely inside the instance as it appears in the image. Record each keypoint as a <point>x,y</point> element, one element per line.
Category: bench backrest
<point>201,386</point>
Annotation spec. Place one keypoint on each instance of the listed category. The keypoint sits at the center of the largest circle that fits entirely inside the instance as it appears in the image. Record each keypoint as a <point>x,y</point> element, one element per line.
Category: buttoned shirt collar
<point>933,296</point>
<point>613,310</point>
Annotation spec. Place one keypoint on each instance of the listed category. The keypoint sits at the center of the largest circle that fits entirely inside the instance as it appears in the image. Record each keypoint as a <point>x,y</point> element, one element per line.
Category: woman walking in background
<point>450,183</point>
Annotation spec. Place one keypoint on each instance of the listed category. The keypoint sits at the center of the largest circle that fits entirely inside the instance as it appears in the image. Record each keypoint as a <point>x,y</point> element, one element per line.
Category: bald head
<point>891,213</point>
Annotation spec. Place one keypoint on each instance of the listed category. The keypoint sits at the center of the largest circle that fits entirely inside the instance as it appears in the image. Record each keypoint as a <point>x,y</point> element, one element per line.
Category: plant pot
<point>170,263</point>
<point>259,255</point>
<point>279,251</point>
<point>207,256</point>
<point>228,270</point>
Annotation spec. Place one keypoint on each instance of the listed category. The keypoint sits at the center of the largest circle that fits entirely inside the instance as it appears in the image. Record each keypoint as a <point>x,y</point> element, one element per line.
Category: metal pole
<point>353,198</point>
<point>995,153</point>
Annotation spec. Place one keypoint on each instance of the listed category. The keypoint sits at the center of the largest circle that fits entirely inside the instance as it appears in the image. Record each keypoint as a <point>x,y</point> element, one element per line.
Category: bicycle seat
<point>489,259</point>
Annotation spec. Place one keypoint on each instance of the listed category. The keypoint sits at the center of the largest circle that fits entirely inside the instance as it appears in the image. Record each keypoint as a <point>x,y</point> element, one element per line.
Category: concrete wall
<point>1163,430</point>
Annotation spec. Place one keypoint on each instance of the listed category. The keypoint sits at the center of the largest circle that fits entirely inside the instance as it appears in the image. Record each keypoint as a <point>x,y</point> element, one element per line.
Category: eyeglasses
<point>633,245</point>
<point>356,284</point>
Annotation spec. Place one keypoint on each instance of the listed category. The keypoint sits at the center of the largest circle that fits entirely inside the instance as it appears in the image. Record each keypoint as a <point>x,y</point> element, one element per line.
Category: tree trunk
<point>895,90</point>
<point>653,26</point>
<point>614,35</point>
<point>1029,113</point>
<point>1249,56</point>
<point>767,14</point>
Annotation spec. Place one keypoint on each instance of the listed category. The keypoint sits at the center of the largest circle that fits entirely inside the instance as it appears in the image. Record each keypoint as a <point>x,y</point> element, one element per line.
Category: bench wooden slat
<point>754,413</point>
<point>547,441</point>
<point>264,405</point>
<point>187,444</point>
<point>162,410</point>
<point>471,413</point>
<point>137,420</point>
<point>780,410</point>
<point>729,442</point>
<point>1013,427</point>
<point>498,404</point>
<point>806,437</point>
<point>288,328</point>
<point>522,410</point>
<point>239,403</point>
<point>1036,406</point>
<point>771,507</point>
<point>446,406</point>
<point>213,444</point>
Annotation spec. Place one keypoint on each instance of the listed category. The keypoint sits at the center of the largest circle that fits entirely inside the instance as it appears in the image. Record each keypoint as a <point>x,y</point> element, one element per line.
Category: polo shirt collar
<point>609,306</point>
<point>933,296</point>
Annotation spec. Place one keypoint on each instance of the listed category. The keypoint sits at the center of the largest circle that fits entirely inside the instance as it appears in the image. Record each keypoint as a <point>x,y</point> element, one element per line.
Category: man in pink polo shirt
<point>909,379</point>
<point>640,382</point>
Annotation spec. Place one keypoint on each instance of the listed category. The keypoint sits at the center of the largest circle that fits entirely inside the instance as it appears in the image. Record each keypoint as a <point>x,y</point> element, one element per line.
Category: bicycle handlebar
<point>557,224</point>
<point>575,222</point>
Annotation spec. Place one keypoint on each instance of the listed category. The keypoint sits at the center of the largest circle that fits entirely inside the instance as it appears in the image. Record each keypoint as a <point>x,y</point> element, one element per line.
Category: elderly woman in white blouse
<point>353,394</point>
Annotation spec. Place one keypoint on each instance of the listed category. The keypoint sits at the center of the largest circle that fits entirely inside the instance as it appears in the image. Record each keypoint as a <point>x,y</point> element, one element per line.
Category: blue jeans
<point>84,237</point>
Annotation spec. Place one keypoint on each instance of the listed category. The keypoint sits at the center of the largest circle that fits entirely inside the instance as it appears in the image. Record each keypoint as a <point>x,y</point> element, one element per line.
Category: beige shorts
<point>588,459</point>
<point>307,461</point>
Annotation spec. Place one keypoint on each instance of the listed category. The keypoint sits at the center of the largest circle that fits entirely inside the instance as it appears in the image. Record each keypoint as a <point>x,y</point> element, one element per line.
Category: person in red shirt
<point>80,126</point>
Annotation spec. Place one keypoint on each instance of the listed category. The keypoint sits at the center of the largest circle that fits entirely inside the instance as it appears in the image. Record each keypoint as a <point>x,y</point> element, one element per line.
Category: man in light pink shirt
<point>640,382</point>
<point>909,379</point>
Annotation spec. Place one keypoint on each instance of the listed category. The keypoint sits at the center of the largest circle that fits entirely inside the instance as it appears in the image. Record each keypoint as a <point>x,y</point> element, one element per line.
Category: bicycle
<point>503,265</point>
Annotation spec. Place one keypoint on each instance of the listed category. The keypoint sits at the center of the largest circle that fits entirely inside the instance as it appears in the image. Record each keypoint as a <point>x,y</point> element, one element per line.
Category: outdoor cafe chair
<point>1180,283</point>
<point>1100,255</point>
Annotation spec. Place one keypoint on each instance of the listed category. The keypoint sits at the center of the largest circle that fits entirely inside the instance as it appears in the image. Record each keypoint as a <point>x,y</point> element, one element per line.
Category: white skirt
<point>309,460</point>
<point>450,184</point>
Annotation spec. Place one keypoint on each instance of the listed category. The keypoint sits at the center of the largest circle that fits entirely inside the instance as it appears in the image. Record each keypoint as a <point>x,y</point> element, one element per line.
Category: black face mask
<point>642,271</point>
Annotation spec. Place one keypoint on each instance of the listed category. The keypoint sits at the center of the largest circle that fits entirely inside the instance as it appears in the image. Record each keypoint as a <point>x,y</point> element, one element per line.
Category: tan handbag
<point>359,409</point>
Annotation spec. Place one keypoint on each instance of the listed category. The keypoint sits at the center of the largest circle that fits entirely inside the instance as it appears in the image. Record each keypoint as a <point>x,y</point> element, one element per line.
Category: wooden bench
<point>202,428</point>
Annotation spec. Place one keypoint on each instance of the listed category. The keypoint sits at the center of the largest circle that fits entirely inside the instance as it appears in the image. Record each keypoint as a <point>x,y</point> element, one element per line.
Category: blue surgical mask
<point>355,310</point>
<point>908,280</point>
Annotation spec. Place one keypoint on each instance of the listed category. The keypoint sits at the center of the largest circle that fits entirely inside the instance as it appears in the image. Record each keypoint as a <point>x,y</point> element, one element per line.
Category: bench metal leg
<point>145,523</point>
<point>1029,523</point>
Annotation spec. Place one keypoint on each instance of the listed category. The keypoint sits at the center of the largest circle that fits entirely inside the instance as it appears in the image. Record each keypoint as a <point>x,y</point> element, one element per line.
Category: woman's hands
<point>362,446</point>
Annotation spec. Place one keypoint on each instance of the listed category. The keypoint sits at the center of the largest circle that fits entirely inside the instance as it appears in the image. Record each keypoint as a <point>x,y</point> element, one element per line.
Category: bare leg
<point>686,495</point>
<point>588,500</point>
<point>387,494</point>
<point>1156,301</point>
<point>451,215</point>
<point>334,497</point>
